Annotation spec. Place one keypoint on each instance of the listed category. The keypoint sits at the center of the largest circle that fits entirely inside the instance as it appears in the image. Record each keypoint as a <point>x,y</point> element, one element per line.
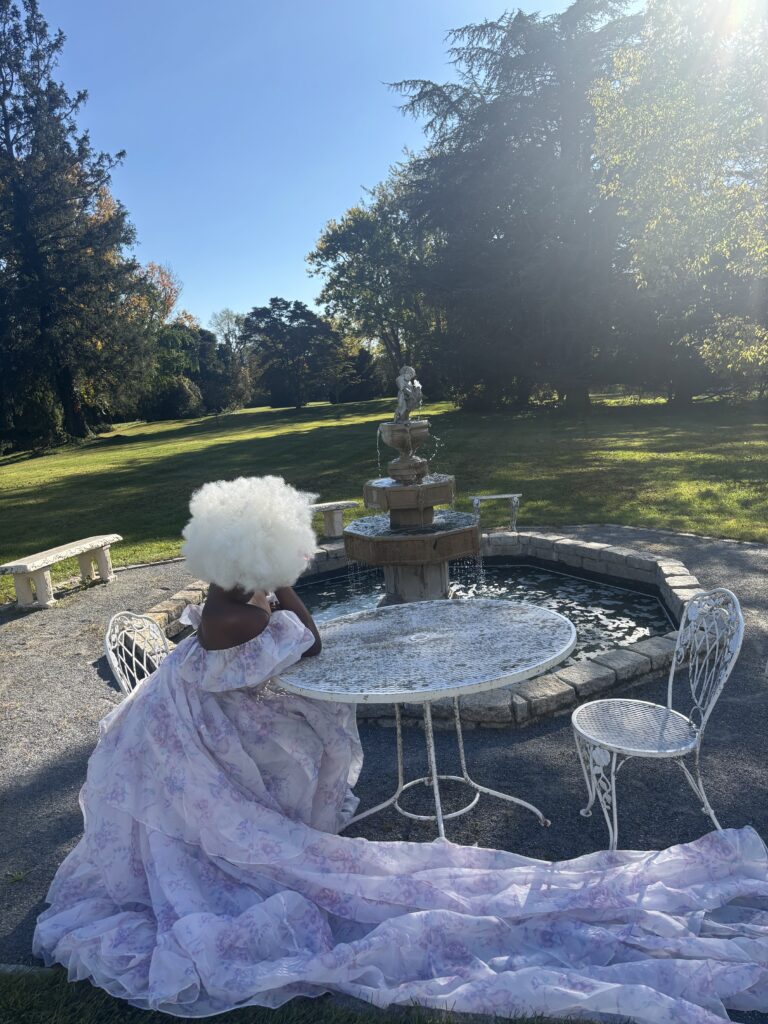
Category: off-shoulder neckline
<point>238,647</point>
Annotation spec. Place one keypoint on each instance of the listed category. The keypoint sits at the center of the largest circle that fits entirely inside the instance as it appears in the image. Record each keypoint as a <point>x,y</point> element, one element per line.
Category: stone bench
<point>333,519</point>
<point>36,569</point>
<point>514,505</point>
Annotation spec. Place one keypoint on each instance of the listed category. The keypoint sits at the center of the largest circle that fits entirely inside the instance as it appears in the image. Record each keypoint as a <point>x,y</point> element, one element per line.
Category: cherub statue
<point>408,394</point>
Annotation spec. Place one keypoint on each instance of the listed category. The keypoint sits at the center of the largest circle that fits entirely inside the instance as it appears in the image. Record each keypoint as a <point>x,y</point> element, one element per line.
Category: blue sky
<point>248,124</point>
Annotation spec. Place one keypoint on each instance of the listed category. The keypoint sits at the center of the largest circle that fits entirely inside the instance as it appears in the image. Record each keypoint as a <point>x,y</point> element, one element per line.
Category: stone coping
<point>554,692</point>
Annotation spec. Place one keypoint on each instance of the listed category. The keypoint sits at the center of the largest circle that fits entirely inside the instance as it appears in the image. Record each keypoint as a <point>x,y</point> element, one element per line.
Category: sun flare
<point>736,14</point>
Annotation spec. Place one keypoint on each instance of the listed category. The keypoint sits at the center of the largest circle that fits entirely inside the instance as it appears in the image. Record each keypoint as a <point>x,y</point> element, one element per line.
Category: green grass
<point>51,999</point>
<point>702,471</point>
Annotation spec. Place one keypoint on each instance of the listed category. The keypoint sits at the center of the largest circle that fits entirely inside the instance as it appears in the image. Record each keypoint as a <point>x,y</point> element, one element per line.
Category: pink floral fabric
<point>210,876</point>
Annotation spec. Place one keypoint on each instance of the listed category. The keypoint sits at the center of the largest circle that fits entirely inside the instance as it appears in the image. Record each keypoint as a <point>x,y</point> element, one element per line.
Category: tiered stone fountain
<point>413,543</point>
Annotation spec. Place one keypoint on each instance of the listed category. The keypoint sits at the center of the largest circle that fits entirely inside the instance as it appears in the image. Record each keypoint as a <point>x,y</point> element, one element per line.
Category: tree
<point>64,276</point>
<point>228,328</point>
<point>296,348</point>
<point>223,380</point>
<point>167,289</point>
<point>681,122</point>
<point>373,263</point>
<point>354,376</point>
<point>524,272</point>
<point>193,373</point>
<point>735,349</point>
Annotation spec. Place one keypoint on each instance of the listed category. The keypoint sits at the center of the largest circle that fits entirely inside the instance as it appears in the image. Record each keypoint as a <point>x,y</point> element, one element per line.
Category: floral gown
<point>210,876</point>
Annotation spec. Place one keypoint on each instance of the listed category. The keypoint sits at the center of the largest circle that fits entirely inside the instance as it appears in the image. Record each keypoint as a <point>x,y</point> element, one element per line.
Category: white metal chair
<point>609,732</point>
<point>135,645</point>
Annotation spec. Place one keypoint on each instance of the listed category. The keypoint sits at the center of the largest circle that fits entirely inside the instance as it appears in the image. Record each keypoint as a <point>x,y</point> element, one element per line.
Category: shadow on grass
<point>50,999</point>
<point>260,418</point>
<point>658,468</point>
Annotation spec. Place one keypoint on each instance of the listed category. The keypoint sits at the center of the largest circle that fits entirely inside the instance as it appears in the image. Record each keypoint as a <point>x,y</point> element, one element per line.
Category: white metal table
<point>425,651</point>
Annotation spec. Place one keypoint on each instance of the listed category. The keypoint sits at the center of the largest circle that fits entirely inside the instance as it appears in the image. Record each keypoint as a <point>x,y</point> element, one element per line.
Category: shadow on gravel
<point>104,672</point>
<point>41,823</point>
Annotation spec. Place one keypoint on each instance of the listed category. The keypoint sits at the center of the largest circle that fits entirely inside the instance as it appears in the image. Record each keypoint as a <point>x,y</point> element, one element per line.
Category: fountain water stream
<point>413,543</point>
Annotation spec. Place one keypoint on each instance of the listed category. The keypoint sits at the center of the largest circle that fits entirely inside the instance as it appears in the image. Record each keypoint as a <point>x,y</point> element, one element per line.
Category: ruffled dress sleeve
<point>253,663</point>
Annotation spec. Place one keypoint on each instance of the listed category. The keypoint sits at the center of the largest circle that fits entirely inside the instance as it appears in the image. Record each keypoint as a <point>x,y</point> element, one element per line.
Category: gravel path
<point>54,687</point>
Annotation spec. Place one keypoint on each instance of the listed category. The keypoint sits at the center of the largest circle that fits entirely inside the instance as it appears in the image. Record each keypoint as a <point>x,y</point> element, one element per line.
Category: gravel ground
<point>55,686</point>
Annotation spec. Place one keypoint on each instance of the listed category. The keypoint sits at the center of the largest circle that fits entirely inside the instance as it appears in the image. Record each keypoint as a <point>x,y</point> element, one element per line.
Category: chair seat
<point>635,727</point>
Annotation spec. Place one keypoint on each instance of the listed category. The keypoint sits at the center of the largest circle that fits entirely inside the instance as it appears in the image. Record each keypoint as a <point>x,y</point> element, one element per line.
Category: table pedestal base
<point>433,778</point>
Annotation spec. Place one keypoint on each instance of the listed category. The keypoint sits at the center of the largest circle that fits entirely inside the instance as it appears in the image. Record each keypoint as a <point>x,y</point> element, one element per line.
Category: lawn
<point>51,999</point>
<point>703,470</point>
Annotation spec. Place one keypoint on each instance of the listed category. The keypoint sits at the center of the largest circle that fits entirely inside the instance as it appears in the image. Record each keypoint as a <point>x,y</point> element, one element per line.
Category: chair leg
<point>601,766</point>
<point>585,812</point>
<point>697,785</point>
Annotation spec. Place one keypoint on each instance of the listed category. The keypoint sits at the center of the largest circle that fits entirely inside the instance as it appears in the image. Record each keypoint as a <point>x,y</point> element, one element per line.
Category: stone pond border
<point>554,692</point>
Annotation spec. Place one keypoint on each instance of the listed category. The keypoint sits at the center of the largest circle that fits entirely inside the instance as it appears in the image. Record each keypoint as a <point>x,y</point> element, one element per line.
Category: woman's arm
<point>290,601</point>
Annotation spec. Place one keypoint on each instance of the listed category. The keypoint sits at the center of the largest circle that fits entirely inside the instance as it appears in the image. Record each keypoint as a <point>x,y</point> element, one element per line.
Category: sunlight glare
<point>736,14</point>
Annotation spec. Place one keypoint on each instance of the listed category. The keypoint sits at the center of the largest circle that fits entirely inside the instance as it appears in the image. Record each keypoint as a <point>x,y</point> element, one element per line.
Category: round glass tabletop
<point>425,650</point>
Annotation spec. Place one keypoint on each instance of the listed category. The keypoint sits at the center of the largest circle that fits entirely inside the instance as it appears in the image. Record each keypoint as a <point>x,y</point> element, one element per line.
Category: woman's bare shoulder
<point>225,627</point>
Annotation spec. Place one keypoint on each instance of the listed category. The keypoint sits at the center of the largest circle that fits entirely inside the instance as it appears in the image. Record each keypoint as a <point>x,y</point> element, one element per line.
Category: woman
<point>210,876</point>
<point>251,537</point>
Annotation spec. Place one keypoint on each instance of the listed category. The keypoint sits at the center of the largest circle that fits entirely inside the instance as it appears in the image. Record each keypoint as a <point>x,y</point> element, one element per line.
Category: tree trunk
<point>74,418</point>
<point>523,392</point>
<point>392,348</point>
<point>682,394</point>
<point>577,398</point>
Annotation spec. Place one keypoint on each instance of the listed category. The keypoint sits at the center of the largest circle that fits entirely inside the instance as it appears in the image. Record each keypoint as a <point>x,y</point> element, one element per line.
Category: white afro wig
<point>253,532</point>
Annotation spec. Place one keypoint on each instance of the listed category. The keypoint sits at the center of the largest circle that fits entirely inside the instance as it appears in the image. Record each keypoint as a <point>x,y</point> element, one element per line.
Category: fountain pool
<point>605,616</point>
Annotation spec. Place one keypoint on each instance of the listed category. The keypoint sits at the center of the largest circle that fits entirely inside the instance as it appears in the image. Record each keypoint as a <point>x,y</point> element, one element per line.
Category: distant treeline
<point>590,208</point>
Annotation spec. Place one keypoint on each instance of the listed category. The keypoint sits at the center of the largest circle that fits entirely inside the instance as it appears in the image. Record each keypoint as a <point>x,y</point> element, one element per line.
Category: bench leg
<point>514,508</point>
<point>44,588</point>
<point>25,595</point>
<point>104,564</point>
<point>333,522</point>
<point>86,566</point>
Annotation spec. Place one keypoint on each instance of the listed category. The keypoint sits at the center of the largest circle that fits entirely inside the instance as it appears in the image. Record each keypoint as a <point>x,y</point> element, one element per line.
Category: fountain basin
<point>404,437</point>
<point>388,495</point>
<point>450,536</point>
<point>617,646</point>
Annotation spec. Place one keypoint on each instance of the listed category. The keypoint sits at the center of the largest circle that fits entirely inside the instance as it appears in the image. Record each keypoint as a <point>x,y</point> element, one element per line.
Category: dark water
<point>604,616</point>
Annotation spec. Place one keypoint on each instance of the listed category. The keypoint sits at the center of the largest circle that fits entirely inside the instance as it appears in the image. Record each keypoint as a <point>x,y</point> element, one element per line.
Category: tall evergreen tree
<point>64,278</point>
<point>507,181</point>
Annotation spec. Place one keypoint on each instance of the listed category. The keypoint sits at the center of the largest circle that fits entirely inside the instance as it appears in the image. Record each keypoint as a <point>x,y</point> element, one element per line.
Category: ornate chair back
<point>135,645</point>
<point>708,644</point>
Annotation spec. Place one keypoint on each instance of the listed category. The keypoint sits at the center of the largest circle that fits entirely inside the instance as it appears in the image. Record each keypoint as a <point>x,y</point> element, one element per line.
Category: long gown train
<point>209,876</point>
